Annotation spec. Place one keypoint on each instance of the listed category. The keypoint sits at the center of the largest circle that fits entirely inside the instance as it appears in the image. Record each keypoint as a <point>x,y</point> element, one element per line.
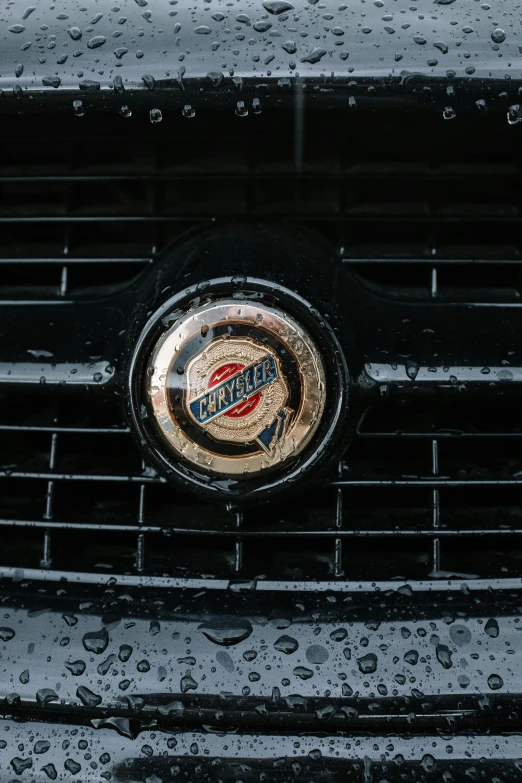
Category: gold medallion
<point>236,388</point>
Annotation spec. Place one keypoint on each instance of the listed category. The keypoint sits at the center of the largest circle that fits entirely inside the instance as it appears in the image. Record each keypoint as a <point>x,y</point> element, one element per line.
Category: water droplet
<point>498,35</point>
<point>262,26</point>
<point>225,660</point>
<point>367,664</point>
<point>316,654</point>
<point>215,78</point>
<point>495,682</point>
<point>303,673</point>
<point>514,115</point>
<point>411,657</point>
<point>87,697</point>
<point>50,771</point>
<point>314,56</point>
<point>125,652</point>
<point>45,696</point>
<point>175,708</point>
<point>78,108</point>
<point>96,42</point>
<point>428,763</point>
<point>277,6</point>
<point>441,46</point>
<point>286,644</point>
<point>444,656</point>
<point>20,765</point>
<point>96,641</point>
<point>155,115</point>
<point>76,668</point>
<point>72,766</point>
<point>51,81</point>
<point>121,725</point>
<point>412,369</point>
<point>226,631</point>
<point>105,665</point>
<point>460,635</point>
<point>188,683</point>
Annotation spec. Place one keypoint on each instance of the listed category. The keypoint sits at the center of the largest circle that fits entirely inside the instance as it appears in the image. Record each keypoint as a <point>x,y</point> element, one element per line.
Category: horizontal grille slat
<point>177,535</point>
<point>412,213</point>
<point>120,196</point>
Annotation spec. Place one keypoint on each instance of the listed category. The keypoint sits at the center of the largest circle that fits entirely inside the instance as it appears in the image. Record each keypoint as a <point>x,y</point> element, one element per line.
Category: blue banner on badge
<point>274,434</point>
<point>225,396</point>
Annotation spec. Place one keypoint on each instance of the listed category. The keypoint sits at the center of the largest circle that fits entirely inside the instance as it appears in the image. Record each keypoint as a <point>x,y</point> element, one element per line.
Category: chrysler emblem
<point>235,387</point>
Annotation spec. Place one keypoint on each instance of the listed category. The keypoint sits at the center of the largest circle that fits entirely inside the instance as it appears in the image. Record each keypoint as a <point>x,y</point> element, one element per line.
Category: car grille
<point>429,487</point>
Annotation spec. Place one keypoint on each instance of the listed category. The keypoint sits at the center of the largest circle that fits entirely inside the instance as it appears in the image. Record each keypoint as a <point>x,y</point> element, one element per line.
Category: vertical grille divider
<point>140,552</point>
<point>46,559</point>
<point>434,282</point>
<point>299,130</point>
<point>250,193</point>
<point>435,505</point>
<point>238,552</point>
<point>140,543</point>
<point>157,237</point>
<point>64,279</point>
<point>338,543</point>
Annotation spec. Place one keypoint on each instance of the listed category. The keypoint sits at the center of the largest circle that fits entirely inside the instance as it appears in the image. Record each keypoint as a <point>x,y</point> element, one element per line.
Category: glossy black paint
<point>453,712</point>
<point>254,55</point>
<point>127,668</point>
<point>218,756</point>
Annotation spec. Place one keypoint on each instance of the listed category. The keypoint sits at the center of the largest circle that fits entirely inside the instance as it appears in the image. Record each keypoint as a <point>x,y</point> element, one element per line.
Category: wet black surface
<point>384,652</point>
<point>369,632</point>
<point>220,756</point>
<point>251,55</point>
<point>323,680</point>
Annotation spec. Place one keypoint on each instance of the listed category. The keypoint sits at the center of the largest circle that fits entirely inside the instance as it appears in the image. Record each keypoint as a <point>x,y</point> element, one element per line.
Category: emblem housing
<point>235,387</point>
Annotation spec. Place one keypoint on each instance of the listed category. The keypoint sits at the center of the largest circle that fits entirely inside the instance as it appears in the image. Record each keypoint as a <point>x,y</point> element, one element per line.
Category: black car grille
<point>429,488</point>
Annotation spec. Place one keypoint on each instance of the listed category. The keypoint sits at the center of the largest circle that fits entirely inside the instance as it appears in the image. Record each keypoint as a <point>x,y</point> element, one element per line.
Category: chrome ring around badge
<point>236,387</point>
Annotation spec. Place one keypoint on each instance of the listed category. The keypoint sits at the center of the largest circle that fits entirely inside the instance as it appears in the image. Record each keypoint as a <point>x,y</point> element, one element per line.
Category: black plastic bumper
<point>248,680</point>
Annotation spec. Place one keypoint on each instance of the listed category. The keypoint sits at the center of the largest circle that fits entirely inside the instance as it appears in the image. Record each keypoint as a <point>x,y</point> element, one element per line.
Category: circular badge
<point>235,387</point>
